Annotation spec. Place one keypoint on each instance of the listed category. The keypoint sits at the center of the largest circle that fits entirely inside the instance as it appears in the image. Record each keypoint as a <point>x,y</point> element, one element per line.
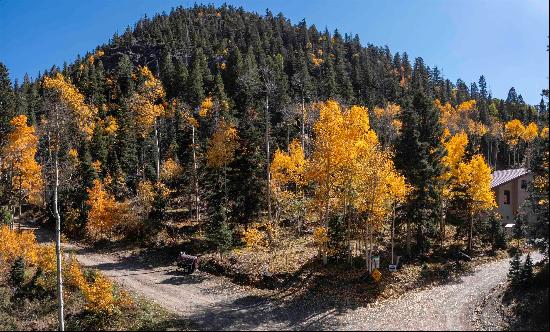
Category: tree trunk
<point>408,238</point>
<point>195,178</point>
<point>442,224</point>
<point>471,234</point>
<point>392,233</point>
<point>267,158</point>
<point>58,235</point>
<point>303,125</point>
<point>157,152</point>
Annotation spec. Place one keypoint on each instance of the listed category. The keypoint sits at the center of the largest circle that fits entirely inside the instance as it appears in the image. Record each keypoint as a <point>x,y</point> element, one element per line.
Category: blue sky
<point>503,39</point>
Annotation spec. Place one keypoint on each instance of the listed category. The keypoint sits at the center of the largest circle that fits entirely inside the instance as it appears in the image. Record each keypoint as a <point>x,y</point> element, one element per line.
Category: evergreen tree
<point>526,274</point>
<point>498,237</point>
<point>7,110</point>
<point>17,272</point>
<point>514,273</point>
<point>337,235</point>
<point>196,82</point>
<point>124,75</point>
<point>218,231</point>
<point>418,156</point>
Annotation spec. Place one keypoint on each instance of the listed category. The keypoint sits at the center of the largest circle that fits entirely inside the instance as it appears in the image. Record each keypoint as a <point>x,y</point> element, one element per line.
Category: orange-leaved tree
<point>456,152</point>
<point>103,214</point>
<point>221,149</point>
<point>474,182</point>
<point>287,182</point>
<point>148,105</point>
<point>20,164</point>
<point>513,133</point>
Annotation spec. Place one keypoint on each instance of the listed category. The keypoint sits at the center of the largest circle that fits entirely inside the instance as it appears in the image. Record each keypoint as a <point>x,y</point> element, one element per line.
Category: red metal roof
<point>506,175</point>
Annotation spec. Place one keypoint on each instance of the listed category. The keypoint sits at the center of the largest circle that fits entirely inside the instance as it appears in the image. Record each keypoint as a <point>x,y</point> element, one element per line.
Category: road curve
<point>214,303</point>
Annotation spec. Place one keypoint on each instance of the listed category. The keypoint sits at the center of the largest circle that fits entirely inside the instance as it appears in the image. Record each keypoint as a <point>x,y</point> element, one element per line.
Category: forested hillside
<point>239,120</point>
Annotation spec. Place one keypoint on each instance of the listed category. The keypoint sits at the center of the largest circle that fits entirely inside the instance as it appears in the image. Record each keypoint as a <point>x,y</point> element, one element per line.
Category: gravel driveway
<point>215,303</point>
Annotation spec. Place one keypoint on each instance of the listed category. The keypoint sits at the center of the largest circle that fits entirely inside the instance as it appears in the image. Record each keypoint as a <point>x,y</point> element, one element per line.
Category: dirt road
<point>212,302</point>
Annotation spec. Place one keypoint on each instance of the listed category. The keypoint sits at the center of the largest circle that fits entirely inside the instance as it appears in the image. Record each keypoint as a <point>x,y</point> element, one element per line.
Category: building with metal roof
<point>510,188</point>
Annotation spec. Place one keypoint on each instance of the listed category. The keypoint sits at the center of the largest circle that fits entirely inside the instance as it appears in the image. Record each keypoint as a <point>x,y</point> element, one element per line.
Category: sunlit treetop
<point>69,95</point>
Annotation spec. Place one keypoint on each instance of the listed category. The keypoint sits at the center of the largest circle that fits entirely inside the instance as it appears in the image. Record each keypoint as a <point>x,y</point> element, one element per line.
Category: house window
<point>523,184</point>
<point>507,197</point>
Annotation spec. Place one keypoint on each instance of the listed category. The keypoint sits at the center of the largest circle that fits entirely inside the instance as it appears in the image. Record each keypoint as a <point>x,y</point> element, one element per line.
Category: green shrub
<point>17,272</point>
<point>514,274</point>
<point>5,216</point>
<point>526,274</point>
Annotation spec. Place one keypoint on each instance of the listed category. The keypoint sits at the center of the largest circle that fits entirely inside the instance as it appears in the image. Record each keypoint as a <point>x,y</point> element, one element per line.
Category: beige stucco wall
<point>517,197</point>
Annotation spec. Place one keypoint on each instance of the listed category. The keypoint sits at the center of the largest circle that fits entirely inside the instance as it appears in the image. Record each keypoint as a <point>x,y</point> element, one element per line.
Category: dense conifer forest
<point>249,127</point>
<point>189,108</point>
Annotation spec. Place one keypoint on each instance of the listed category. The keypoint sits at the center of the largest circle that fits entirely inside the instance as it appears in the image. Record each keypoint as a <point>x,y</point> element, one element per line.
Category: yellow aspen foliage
<point>95,56</point>
<point>19,160</point>
<point>378,186</point>
<point>289,167</point>
<point>146,113</point>
<point>103,212</point>
<point>456,150</point>
<point>386,120</point>
<point>544,133</point>
<point>147,102</point>
<point>513,132</point>
<point>145,194</point>
<point>466,106</point>
<point>461,118</point>
<point>46,257</point>
<point>253,238</point>
<point>73,275</point>
<point>74,100</point>
<point>206,106</point>
<point>320,236</point>
<point>475,178</point>
<point>15,244</point>
<point>192,121</point>
<point>170,170</point>
<point>99,295</point>
<point>152,87</point>
<point>530,133</point>
<point>477,128</point>
<point>329,156</point>
<point>73,153</point>
<point>96,165</point>
<point>317,62</point>
<point>348,166</point>
<point>110,125</point>
<point>222,145</point>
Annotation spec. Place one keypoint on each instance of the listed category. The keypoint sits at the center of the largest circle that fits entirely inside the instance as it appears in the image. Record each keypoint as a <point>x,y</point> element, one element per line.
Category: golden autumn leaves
<point>19,161</point>
<point>74,100</point>
<point>348,168</point>
<point>98,292</point>
<point>469,180</point>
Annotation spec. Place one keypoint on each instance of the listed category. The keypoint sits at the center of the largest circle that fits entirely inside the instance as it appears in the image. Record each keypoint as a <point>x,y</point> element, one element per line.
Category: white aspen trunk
<point>392,233</point>
<point>303,125</point>
<point>58,230</point>
<point>157,151</point>
<point>195,177</point>
<point>471,234</point>
<point>267,157</point>
<point>367,258</point>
